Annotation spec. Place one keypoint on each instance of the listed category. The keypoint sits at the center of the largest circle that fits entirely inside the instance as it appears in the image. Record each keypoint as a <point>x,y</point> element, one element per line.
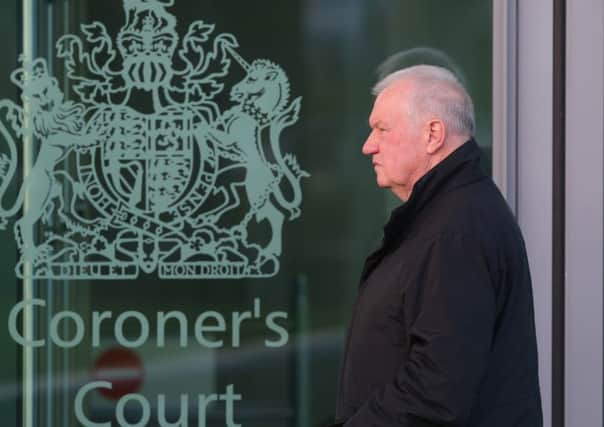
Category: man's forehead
<point>397,90</point>
<point>388,102</point>
<point>377,114</point>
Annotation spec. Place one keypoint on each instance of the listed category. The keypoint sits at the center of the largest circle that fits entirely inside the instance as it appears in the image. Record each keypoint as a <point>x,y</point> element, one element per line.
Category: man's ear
<point>436,136</point>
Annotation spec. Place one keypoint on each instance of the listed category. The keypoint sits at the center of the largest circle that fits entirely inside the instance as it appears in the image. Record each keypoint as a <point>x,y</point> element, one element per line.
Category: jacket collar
<point>460,168</point>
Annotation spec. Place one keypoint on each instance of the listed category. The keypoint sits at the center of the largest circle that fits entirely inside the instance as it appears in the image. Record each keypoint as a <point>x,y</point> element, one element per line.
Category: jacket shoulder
<point>478,212</point>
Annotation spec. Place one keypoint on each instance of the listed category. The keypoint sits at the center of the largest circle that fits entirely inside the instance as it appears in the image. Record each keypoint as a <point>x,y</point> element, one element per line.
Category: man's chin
<point>381,183</point>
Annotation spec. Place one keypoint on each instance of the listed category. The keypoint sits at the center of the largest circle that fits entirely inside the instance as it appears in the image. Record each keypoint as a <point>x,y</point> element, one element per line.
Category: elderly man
<point>442,332</point>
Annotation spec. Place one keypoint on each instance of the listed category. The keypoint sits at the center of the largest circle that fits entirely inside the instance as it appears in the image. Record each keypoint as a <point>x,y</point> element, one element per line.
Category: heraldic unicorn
<point>144,172</point>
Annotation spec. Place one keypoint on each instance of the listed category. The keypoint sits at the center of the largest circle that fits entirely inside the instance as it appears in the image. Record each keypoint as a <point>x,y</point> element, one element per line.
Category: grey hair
<point>436,92</point>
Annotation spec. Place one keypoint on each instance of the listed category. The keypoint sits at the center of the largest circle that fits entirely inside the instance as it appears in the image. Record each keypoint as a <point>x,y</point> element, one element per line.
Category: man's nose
<point>369,147</point>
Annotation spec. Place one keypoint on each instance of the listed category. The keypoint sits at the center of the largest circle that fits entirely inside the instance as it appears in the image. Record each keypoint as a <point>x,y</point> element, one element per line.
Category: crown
<point>149,27</point>
<point>137,4</point>
<point>30,73</point>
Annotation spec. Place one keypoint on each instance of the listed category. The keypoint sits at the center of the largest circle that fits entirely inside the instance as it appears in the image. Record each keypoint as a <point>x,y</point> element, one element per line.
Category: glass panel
<point>177,244</point>
<point>10,356</point>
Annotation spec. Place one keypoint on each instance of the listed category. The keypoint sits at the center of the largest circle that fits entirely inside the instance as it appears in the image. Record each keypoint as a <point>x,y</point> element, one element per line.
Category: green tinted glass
<point>185,205</point>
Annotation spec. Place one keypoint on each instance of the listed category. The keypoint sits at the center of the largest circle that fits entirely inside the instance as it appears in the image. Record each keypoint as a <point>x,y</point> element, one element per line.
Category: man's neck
<point>453,143</point>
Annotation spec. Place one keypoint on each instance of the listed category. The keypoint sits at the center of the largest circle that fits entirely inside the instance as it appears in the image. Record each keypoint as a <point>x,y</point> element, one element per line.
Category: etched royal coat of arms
<point>174,190</point>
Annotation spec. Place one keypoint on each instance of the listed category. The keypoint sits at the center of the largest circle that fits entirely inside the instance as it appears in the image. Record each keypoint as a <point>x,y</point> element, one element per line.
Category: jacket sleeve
<point>450,339</point>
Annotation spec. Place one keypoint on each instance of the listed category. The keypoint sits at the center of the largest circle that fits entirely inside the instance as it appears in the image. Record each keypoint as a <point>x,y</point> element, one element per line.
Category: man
<point>442,332</point>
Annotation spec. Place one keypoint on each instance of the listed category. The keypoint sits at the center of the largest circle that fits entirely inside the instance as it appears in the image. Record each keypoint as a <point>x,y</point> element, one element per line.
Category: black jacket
<point>443,332</point>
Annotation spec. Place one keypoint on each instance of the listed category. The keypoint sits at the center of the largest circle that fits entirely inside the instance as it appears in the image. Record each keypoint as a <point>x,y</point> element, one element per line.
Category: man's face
<point>394,144</point>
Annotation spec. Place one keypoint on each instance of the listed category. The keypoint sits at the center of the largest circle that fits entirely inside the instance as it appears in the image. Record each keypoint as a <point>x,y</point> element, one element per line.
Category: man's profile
<point>442,331</point>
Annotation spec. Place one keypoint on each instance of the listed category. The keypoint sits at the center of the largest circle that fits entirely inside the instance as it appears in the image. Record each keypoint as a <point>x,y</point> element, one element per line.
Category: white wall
<point>532,191</point>
<point>584,180</point>
<point>534,169</point>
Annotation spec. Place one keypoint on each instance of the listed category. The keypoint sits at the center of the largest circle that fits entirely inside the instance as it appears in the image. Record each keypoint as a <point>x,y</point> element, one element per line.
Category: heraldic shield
<point>179,190</point>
